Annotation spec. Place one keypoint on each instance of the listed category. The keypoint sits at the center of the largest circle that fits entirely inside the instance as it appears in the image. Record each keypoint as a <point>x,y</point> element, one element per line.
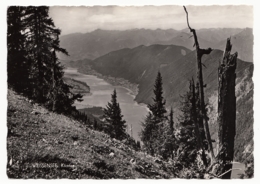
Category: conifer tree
<point>17,65</point>
<point>158,107</point>
<point>154,131</point>
<point>170,142</point>
<point>33,66</point>
<point>171,123</point>
<point>187,139</point>
<point>41,39</point>
<point>147,133</point>
<point>112,114</point>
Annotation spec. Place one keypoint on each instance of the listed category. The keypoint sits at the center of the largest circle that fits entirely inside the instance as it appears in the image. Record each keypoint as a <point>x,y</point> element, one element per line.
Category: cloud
<point>85,19</point>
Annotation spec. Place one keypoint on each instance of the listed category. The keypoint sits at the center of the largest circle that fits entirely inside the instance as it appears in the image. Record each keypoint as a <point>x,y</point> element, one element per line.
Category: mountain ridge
<point>97,43</point>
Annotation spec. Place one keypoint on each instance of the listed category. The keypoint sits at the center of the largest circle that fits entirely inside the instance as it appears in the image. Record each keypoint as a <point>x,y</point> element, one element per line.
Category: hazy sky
<point>85,19</point>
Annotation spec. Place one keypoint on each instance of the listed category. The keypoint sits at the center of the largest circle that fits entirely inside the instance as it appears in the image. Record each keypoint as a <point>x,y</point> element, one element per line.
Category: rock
<point>132,161</point>
<point>111,154</point>
<point>206,176</point>
<point>11,161</point>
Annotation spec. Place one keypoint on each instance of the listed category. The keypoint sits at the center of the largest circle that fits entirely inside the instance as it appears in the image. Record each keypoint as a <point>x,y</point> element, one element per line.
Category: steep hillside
<point>242,43</point>
<point>42,144</point>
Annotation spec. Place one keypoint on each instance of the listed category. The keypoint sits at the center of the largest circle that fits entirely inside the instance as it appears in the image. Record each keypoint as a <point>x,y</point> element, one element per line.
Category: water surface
<point>100,95</point>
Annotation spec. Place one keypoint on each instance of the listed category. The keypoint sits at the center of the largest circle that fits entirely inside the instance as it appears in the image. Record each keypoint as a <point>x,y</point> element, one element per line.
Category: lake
<point>100,95</point>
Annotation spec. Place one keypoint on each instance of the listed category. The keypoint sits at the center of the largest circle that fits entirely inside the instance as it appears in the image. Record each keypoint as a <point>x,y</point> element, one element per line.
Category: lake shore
<point>133,88</point>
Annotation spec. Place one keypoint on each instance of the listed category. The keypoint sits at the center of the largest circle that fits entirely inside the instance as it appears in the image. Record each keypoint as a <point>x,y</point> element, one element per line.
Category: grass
<point>42,144</point>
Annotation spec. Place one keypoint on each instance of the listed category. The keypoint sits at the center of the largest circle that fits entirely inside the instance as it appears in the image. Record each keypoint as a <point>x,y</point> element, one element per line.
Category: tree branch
<point>187,18</point>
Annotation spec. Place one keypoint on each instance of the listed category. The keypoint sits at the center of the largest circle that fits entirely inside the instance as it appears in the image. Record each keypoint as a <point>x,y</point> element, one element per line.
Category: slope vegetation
<point>42,144</point>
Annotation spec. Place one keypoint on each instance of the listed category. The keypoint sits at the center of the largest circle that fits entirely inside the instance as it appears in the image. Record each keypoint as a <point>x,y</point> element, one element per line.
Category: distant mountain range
<point>100,42</point>
<point>242,43</point>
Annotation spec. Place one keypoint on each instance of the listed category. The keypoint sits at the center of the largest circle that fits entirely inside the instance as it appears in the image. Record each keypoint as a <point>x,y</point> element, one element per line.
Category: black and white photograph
<point>129,91</point>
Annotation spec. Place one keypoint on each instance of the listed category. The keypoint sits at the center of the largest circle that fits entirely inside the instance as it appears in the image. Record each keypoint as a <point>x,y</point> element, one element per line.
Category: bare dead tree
<point>195,119</point>
<point>226,111</point>
<point>200,52</point>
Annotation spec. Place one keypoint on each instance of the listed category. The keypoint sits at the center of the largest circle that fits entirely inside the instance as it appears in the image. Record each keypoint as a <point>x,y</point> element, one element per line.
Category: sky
<point>89,18</point>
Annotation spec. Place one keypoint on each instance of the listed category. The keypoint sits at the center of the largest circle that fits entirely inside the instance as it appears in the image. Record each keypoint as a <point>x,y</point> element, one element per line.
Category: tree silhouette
<point>158,107</point>
<point>112,114</point>
<point>17,65</point>
<point>33,67</point>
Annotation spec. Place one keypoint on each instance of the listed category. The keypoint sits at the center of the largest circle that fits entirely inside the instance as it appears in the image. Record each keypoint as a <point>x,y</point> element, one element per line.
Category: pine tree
<point>17,65</point>
<point>170,143</point>
<point>41,39</point>
<point>112,114</point>
<point>33,67</point>
<point>148,132</point>
<point>187,139</point>
<point>158,107</point>
<point>153,133</point>
<point>171,123</point>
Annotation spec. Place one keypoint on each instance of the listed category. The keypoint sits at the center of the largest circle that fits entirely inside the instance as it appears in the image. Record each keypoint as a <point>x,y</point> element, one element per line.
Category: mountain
<point>100,42</point>
<point>242,43</point>
<point>138,63</point>
<point>215,35</point>
<point>186,40</point>
<point>141,64</point>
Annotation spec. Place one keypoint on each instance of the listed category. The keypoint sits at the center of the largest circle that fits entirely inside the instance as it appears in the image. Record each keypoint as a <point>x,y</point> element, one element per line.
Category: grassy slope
<point>42,144</point>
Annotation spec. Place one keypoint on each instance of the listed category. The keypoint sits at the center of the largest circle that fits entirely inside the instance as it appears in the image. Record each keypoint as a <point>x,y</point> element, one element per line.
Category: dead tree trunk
<point>226,111</point>
<point>197,129</point>
<point>200,52</point>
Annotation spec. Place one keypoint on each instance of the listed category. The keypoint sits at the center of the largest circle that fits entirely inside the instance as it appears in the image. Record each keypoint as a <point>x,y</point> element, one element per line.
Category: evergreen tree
<point>148,133</point>
<point>158,107</point>
<point>153,132</point>
<point>112,114</point>
<point>41,40</point>
<point>171,120</point>
<point>17,65</point>
<point>187,139</point>
<point>33,66</point>
<point>170,140</point>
